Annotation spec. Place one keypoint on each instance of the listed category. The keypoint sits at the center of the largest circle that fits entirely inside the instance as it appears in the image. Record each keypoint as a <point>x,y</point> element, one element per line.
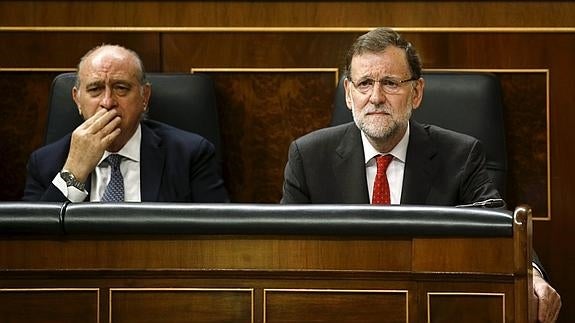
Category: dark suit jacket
<point>175,166</point>
<point>442,168</point>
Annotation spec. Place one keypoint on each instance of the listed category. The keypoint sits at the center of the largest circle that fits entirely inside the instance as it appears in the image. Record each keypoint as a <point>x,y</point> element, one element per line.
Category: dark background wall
<point>275,65</point>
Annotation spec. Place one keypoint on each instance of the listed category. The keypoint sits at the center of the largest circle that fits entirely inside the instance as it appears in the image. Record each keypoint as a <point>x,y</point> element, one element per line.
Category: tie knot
<point>114,160</point>
<point>383,161</point>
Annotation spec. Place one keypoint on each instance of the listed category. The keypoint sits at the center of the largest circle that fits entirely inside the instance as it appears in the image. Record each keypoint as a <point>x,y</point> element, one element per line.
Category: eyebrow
<point>385,77</point>
<point>113,82</point>
<point>94,83</point>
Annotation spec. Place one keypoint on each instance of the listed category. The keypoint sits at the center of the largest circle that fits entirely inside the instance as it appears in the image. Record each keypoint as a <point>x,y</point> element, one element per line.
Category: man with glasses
<point>384,157</point>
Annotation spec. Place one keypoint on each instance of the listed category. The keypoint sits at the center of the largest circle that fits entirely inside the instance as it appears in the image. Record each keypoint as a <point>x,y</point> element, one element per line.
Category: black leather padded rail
<point>265,219</point>
<point>30,217</point>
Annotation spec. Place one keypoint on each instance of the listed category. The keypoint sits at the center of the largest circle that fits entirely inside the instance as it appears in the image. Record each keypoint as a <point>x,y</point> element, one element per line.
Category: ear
<point>146,93</point>
<point>417,93</point>
<point>75,98</point>
<point>347,90</point>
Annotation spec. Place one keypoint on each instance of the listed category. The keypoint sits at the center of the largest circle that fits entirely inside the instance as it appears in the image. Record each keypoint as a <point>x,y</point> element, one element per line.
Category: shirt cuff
<point>70,192</point>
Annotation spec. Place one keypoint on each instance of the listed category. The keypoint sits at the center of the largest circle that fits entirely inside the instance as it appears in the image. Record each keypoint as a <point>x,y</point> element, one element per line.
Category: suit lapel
<point>349,168</point>
<point>151,165</point>
<point>419,166</point>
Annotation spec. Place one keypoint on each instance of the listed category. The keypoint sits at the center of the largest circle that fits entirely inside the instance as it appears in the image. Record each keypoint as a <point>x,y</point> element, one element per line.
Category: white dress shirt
<point>395,169</point>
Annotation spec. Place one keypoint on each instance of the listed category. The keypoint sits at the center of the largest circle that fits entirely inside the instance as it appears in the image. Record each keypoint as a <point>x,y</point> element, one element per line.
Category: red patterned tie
<point>380,185</point>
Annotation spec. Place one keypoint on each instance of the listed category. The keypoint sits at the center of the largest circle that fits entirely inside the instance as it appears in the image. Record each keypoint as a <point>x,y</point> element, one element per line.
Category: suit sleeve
<point>205,181</point>
<point>539,266</point>
<point>295,189</point>
<point>476,183</point>
<point>39,187</point>
<point>480,187</point>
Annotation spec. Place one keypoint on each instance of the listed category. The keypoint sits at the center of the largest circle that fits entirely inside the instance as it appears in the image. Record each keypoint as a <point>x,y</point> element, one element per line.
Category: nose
<point>108,100</point>
<point>377,95</point>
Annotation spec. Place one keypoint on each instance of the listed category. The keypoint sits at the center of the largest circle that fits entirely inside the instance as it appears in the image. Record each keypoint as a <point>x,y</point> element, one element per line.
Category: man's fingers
<point>90,121</point>
<point>111,126</point>
<point>104,120</point>
<point>549,301</point>
<point>543,312</point>
<point>555,306</point>
<point>109,138</point>
<point>100,120</point>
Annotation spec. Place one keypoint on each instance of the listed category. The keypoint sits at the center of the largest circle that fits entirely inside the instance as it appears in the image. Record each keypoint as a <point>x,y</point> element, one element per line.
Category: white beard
<point>379,127</point>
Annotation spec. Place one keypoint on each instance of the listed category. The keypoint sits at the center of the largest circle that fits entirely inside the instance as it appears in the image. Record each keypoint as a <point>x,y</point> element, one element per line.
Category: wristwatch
<point>71,180</point>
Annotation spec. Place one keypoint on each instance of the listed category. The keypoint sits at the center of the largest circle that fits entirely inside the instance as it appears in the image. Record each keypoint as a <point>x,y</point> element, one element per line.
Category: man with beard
<point>424,164</point>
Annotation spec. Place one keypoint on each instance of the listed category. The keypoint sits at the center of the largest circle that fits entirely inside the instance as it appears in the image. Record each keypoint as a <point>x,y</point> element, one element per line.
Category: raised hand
<point>90,140</point>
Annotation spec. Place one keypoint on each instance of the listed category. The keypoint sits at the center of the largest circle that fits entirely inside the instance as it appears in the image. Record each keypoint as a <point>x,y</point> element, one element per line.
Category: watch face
<point>67,176</point>
<point>71,180</point>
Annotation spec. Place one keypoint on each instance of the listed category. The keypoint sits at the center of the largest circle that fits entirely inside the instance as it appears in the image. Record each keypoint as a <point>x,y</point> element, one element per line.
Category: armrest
<point>249,219</point>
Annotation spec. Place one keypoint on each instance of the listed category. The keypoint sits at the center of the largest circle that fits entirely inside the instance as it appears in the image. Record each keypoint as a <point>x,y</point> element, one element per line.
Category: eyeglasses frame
<point>399,83</point>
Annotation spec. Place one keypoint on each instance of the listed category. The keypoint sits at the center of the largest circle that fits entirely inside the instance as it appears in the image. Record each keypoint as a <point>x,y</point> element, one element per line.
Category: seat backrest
<point>470,103</point>
<point>185,101</point>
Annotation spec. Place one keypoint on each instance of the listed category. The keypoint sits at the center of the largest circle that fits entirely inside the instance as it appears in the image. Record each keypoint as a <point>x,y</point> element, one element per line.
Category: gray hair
<point>141,72</point>
<point>377,41</point>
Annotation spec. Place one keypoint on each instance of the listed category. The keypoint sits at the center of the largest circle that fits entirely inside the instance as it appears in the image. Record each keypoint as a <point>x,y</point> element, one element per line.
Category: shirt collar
<point>131,149</point>
<point>398,152</point>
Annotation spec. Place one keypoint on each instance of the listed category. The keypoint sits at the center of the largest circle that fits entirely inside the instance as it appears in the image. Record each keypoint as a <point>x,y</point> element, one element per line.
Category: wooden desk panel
<point>254,278</point>
<point>317,305</point>
<point>199,253</point>
<point>49,305</point>
<point>174,305</point>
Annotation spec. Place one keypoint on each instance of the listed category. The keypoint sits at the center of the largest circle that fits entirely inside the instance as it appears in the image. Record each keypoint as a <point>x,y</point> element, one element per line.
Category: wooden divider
<point>266,278</point>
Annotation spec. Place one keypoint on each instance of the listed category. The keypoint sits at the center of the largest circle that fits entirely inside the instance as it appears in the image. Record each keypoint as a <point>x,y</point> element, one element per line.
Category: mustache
<point>376,109</point>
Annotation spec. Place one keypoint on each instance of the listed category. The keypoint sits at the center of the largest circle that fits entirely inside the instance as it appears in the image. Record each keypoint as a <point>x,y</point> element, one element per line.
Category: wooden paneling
<point>481,255</point>
<point>22,126</point>
<point>196,253</point>
<point>252,278</point>
<point>447,302</point>
<point>183,51</point>
<point>174,305</point>
<point>451,307</point>
<point>288,13</point>
<point>335,306</point>
<point>34,50</point>
<point>50,305</point>
<point>260,114</point>
<point>527,141</point>
<point>180,294</point>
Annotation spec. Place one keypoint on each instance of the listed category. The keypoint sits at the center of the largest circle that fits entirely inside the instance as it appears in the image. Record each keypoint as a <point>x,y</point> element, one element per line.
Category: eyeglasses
<point>389,85</point>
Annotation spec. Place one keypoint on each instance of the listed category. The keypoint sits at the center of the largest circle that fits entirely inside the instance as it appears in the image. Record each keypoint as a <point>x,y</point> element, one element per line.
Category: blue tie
<point>115,189</point>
